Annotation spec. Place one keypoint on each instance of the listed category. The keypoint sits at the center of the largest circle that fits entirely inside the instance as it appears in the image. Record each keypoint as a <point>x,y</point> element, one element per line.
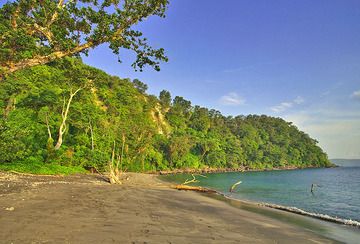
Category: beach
<point>87,209</point>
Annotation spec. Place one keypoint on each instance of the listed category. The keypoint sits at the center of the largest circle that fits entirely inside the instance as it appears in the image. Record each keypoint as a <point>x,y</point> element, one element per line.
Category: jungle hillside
<point>66,117</point>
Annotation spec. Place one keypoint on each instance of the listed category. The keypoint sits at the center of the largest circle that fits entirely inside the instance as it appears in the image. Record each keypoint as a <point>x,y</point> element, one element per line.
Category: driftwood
<point>193,188</point>
<point>313,185</point>
<point>232,188</point>
<point>114,170</point>
<point>193,180</point>
<point>184,186</point>
<point>101,175</point>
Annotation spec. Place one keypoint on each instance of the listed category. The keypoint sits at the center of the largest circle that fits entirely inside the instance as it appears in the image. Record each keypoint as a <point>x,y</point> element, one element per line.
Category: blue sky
<point>299,60</point>
<point>294,59</point>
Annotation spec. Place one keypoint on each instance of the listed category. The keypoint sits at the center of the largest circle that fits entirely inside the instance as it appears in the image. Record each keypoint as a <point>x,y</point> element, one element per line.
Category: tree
<point>200,119</point>
<point>178,147</point>
<point>34,32</point>
<point>111,124</point>
<point>140,86</point>
<point>165,99</point>
<point>181,106</point>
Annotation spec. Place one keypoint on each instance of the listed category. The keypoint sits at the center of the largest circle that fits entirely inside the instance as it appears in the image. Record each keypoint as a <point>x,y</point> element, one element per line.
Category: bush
<point>188,161</point>
<point>35,166</point>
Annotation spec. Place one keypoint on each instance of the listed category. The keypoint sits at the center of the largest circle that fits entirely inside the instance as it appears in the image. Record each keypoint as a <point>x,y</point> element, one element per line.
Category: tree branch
<point>15,16</point>
<point>64,114</point>
<point>45,31</point>
<point>45,59</point>
<point>60,5</point>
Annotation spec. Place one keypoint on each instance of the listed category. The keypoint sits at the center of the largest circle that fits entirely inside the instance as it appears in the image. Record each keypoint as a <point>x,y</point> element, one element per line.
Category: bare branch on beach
<point>232,188</point>
<point>193,188</point>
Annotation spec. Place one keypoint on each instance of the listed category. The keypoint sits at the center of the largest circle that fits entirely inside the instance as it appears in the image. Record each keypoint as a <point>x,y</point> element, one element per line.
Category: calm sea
<point>337,190</point>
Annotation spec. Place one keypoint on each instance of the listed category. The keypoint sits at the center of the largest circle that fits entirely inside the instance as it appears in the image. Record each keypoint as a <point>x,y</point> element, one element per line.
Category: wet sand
<point>86,209</point>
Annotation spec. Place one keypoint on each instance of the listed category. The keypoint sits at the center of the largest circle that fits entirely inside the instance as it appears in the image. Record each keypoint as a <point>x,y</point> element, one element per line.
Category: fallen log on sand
<point>193,188</point>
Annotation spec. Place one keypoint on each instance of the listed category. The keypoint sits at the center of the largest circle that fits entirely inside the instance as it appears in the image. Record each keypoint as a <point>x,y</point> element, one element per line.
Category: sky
<point>298,60</point>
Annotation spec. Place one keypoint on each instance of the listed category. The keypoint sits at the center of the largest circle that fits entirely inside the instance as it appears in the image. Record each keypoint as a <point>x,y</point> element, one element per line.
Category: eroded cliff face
<point>158,118</point>
<point>97,100</point>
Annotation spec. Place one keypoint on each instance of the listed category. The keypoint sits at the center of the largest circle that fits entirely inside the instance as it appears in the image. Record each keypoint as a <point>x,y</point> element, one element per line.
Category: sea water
<point>336,191</point>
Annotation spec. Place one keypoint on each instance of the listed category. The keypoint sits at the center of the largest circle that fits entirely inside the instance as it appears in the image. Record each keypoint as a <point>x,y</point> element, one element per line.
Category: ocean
<point>336,191</point>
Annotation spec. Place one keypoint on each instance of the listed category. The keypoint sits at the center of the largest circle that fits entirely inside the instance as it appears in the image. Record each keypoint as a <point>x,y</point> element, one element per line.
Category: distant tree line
<point>70,114</point>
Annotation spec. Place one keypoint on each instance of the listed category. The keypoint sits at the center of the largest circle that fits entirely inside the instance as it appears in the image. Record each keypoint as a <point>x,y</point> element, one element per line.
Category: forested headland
<point>67,116</point>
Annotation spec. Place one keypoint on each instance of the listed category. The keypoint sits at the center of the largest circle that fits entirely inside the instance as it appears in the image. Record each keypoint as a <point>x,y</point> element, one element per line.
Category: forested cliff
<point>67,113</point>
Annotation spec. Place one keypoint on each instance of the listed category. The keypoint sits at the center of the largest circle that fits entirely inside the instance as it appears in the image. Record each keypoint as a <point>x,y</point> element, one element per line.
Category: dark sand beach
<point>86,209</point>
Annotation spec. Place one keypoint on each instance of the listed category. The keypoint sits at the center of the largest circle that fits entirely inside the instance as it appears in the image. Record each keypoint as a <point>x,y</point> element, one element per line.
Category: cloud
<point>299,100</point>
<point>337,130</point>
<point>356,95</point>
<point>286,105</point>
<point>281,107</point>
<point>232,99</point>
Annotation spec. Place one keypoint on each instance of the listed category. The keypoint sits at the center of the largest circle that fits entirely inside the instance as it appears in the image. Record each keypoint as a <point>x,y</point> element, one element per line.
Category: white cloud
<point>299,100</point>
<point>338,131</point>
<point>281,107</point>
<point>232,99</point>
<point>286,105</point>
<point>356,94</point>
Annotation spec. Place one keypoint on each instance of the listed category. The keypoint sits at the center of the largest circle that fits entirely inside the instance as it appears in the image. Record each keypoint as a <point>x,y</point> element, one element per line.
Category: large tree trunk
<point>64,114</point>
<point>27,63</point>
<point>48,126</point>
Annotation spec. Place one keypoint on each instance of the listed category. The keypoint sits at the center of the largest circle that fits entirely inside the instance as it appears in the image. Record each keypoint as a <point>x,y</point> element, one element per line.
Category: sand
<point>86,209</point>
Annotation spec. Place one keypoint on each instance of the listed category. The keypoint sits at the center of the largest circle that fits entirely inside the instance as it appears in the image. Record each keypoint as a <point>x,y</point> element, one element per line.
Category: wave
<point>296,210</point>
<point>314,215</point>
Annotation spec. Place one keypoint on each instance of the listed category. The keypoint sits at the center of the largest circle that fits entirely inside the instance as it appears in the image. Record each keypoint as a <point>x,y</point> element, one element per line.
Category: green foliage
<point>34,32</point>
<point>142,87</point>
<point>109,110</point>
<point>32,165</point>
<point>165,99</point>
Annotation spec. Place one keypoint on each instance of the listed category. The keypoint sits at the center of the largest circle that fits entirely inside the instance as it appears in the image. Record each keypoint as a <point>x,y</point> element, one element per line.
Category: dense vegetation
<point>69,115</point>
<point>34,32</point>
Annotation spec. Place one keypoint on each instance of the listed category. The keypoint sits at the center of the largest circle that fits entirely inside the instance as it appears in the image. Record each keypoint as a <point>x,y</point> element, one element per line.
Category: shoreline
<point>345,230</point>
<point>85,209</point>
<point>228,170</point>
<point>295,210</point>
<point>290,209</point>
<point>343,233</point>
